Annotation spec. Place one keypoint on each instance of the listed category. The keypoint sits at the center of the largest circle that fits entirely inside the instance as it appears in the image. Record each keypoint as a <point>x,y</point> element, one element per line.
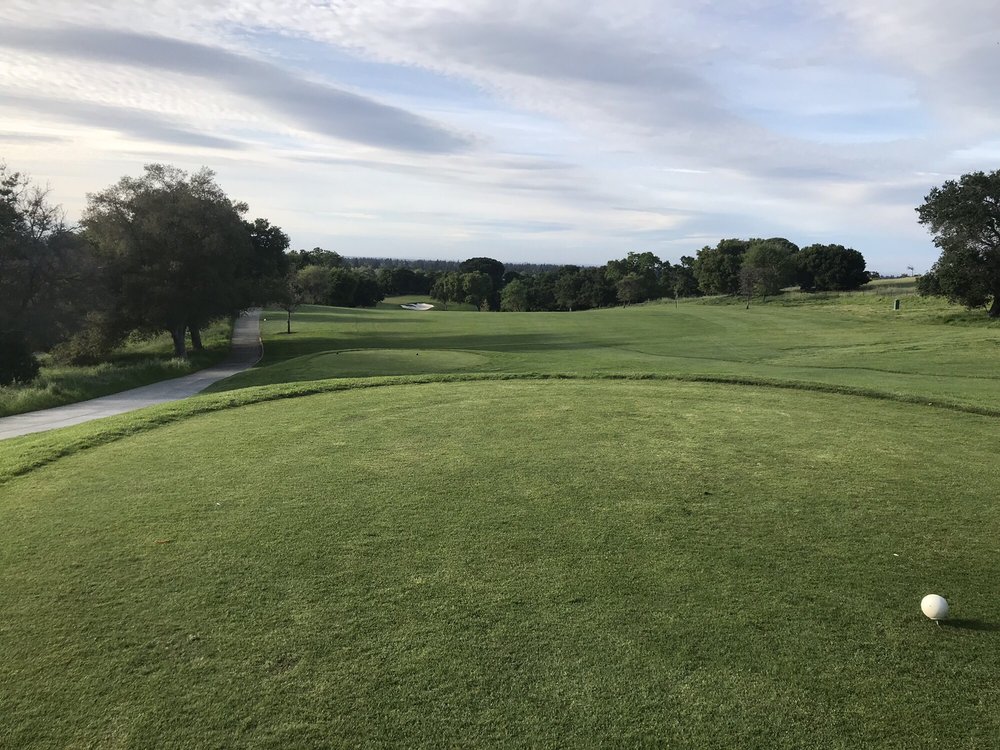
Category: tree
<point>478,288</point>
<point>569,286</point>
<point>315,284</point>
<point>315,257</point>
<point>644,267</point>
<point>368,292</point>
<point>494,269</point>
<point>176,251</point>
<point>490,266</point>
<point>343,287</point>
<point>631,288</point>
<point>17,362</point>
<point>48,274</point>
<point>514,297</point>
<point>448,288</point>
<point>964,217</point>
<point>830,268</point>
<point>929,285</point>
<point>767,267</point>
<point>718,268</point>
<point>291,296</point>
<point>683,282</point>
<point>268,263</point>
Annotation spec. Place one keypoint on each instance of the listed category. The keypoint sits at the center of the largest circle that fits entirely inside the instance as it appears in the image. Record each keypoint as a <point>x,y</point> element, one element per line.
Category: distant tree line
<point>435,265</point>
<point>752,267</point>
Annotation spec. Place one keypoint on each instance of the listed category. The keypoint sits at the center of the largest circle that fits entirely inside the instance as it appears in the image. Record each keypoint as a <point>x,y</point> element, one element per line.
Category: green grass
<point>393,303</point>
<point>926,350</point>
<point>139,362</point>
<point>510,563</point>
<point>690,525</point>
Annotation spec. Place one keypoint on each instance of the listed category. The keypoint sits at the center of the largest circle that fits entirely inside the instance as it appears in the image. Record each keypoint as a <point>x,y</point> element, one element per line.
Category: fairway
<point>926,350</point>
<point>690,525</point>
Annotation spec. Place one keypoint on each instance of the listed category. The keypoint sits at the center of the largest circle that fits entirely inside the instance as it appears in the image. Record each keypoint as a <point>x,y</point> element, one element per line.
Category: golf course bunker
<point>418,306</point>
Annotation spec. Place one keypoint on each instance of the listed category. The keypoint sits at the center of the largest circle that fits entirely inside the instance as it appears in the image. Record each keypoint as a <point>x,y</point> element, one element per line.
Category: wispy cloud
<point>568,130</point>
<point>125,120</point>
<point>317,107</point>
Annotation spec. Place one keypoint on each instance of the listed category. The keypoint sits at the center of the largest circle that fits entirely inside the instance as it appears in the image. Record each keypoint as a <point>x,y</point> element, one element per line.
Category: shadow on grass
<point>967,624</point>
<point>282,348</point>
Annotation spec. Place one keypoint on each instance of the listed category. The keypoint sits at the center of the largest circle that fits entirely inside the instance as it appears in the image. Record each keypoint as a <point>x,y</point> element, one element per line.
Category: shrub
<point>91,345</point>
<point>17,362</point>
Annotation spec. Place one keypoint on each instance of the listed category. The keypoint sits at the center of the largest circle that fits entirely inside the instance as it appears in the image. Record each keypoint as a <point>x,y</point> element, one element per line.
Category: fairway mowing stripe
<point>55,444</point>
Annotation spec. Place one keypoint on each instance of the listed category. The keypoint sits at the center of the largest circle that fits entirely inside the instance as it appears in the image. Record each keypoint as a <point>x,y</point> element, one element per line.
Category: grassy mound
<point>844,340</point>
<point>359,363</point>
<point>509,562</point>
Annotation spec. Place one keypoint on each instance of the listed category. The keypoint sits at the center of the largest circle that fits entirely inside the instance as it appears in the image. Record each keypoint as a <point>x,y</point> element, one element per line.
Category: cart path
<point>246,351</point>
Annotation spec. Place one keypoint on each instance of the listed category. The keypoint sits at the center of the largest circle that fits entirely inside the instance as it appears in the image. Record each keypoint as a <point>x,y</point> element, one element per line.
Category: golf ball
<point>934,606</point>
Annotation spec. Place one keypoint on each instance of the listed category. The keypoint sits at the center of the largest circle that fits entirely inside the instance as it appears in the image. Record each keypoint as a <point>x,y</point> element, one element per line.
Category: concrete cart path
<point>246,352</point>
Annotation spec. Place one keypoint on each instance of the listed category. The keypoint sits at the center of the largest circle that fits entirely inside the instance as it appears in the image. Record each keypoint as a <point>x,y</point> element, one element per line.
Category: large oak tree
<point>177,252</point>
<point>964,217</point>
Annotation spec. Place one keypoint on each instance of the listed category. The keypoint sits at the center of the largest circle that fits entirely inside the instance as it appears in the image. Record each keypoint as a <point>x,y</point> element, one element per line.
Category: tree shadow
<point>968,624</point>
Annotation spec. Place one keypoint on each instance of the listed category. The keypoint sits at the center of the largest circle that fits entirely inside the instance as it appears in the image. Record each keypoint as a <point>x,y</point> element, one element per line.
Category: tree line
<point>754,267</point>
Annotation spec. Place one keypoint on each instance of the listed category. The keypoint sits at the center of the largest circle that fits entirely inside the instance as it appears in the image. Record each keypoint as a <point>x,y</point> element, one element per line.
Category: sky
<point>551,131</point>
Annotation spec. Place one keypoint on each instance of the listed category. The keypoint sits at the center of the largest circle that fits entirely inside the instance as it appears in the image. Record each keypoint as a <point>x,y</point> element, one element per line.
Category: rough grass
<point>139,362</point>
<point>509,563</point>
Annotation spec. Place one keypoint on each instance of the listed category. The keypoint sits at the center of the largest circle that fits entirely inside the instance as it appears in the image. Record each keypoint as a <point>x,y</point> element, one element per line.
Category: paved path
<point>246,351</point>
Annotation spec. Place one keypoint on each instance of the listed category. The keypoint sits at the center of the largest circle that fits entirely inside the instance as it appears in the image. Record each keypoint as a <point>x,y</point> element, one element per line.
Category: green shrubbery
<point>17,362</point>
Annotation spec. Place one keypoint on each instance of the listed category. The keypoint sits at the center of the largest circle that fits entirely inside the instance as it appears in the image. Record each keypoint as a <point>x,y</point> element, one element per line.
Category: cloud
<point>133,122</point>
<point>631,123</point>
<point>314,106</point>
<point>7,137</point>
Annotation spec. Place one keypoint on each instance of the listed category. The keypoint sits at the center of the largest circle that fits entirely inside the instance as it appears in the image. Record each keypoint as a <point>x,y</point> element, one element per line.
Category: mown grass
<point>509,563</point>
<point>928,350</point>
<point>689,525</point>
<point>139,362</point>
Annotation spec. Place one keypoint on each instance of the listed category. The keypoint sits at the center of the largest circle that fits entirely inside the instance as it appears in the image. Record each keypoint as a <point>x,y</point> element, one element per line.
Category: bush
<point>91,345</point>
<point>929,285</point>
<point>17,362</point>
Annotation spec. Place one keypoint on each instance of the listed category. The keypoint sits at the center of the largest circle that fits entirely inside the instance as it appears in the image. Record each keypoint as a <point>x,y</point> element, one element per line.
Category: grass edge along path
<point>21,455</point>
<point>134,365</point>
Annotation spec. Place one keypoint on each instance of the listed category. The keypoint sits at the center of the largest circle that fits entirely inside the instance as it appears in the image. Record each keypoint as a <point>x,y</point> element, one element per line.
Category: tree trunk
<point>196,338</point>
<point>994,311</point>
<point>289,321</point>
<point>180,345</point>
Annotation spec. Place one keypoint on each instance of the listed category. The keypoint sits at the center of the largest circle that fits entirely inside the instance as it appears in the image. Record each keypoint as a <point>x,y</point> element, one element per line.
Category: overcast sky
<point>552,130</point>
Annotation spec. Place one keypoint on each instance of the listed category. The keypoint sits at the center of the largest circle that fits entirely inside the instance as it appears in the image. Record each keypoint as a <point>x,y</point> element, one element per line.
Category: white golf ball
<point>934,606</point>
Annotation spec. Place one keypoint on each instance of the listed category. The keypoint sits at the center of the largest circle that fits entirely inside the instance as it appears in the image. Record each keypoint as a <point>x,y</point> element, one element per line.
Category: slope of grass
<point>509,563</point>
<point>139,362</point>
<point>836,340</point>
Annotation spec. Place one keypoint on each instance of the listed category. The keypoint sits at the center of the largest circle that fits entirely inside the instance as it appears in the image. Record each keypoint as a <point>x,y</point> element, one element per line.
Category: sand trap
<point>416,306</point>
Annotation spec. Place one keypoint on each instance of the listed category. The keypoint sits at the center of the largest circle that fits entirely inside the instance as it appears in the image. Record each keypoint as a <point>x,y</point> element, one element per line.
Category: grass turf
<point>929,349</point>
<point>524,562</point>
<point>512,563</point>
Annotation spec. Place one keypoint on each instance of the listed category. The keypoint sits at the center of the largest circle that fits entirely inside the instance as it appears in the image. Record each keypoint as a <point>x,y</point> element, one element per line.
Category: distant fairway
<point>451,557</point>
<point>925,350</point>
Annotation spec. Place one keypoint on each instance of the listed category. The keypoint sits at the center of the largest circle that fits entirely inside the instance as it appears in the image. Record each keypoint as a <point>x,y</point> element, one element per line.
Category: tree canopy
<point>822,268</point>
<point>964,217</point>
<point>177,252</point>
<point>46,270</point>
